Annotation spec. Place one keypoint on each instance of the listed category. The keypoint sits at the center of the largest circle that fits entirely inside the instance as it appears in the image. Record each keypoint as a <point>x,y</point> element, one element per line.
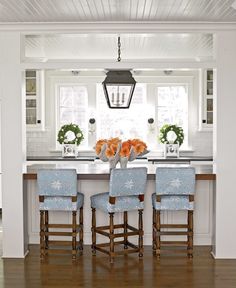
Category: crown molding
<point>118,27</point>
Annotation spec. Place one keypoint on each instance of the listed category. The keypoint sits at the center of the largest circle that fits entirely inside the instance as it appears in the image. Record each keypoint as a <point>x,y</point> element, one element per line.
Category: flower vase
<point>112,163</point>
<point>123,162</point>
<point>69,150</point>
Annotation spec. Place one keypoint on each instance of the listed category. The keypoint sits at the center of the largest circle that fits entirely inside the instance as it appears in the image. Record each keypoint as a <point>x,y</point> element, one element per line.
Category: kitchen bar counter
<point>101,171</point>
<point>94,178</point>
<point>147,157</point>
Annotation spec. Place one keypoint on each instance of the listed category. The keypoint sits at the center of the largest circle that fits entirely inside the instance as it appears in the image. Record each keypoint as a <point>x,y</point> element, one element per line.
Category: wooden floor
<point>127,271</point>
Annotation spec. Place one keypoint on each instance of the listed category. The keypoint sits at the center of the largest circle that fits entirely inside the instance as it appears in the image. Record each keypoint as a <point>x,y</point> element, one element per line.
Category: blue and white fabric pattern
<point>174,185</point>
<point>175,181</point>
<point>61,203</point>
<point>57,182</point>
<point>172,203</point>
<point>58,186</point>
<point>124,203</point>
<point>128,181</point>
<point>125,184</point>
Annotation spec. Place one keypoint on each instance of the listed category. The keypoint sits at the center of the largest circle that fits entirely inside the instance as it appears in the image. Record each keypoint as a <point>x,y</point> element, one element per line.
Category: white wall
<point>13,144</point>
<point>41,143</point>
<point>225,197</point>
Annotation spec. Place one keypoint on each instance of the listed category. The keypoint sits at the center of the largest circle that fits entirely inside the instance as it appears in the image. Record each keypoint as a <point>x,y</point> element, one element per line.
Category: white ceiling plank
<point>133,46</point>
<point>116,10</point>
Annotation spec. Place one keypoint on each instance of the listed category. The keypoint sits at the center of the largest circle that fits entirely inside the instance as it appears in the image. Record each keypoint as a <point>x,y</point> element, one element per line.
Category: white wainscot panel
<point>202,213</point>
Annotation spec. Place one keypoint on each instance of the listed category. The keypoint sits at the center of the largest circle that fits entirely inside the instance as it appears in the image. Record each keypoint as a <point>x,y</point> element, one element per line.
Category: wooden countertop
<point>101,171</point>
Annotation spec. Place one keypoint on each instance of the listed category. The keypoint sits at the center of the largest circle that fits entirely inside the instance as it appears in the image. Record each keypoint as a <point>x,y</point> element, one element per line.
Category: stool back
<point>175,181</point>
<point>128,181</point>
<point>57,182</point>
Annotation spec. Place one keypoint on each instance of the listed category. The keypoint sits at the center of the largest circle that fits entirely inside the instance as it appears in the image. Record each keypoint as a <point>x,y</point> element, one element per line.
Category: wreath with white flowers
<point>62,134</point>
<point>176,129</point>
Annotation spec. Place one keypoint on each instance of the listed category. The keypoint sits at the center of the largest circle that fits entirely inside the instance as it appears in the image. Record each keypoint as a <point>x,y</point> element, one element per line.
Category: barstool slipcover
<point>57,190</point>
<point>126,193</point>
<point>175,188</point>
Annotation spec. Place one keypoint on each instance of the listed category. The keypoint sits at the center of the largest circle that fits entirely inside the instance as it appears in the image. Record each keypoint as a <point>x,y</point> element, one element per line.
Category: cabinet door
<point>207,102</point>
<point>34,87</point>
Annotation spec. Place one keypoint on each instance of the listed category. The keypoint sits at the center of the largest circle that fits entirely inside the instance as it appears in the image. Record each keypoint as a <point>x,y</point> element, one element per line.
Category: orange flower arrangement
<point>111,145</point>
<point>138,146</point>
<point>114,150</point>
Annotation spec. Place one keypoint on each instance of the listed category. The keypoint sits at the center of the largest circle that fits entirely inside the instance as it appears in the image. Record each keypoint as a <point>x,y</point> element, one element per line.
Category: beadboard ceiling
<point>22,11</point>
<point>133,46</point>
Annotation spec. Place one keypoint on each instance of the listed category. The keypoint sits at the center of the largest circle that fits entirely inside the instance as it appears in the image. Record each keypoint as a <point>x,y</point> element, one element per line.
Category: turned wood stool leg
<point>93,231</point>
<point>140,228</point>
<point>74,232</point>
<point>154,235</point>
<point>125,230</point>
<point>190,234</point>
<point>81,231</point>
<point>46,229</point>
<point>42,235</point>
<point>111,237</point>
<point>158,230</point>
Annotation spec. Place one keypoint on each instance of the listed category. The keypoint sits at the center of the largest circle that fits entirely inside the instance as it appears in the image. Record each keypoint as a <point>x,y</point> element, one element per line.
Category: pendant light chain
<point>119,45</point>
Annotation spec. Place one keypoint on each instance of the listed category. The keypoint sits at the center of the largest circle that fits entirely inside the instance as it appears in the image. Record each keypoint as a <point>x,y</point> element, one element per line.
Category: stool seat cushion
<point>61,203</point>
<point>173,202</point>
<point>124,203</point>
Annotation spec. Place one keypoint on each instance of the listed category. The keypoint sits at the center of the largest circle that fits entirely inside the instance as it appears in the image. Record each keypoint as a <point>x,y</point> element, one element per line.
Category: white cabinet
<point>206,103</point>
<point>34,87</point>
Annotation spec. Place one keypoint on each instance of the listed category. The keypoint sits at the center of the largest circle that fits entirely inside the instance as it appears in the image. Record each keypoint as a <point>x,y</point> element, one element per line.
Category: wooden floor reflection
<point>127,271</point>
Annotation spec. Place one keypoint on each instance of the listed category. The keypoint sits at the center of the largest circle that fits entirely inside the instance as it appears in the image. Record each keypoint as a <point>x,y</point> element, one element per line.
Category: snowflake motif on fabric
<point>175,183</point>
<point>56,185</point>
<point>129,184</point>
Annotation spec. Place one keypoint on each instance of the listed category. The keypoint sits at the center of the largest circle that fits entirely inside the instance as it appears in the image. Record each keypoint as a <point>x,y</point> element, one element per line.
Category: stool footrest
<point>174,233</point>
<point>174,243</point>
<point>62,226</point>
<point>174,226</point>
<point>134,249</point>
<point>56,233</point>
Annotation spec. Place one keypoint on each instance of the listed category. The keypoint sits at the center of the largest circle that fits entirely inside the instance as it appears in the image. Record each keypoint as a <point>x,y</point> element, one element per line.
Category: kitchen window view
<point>171,106</point>
<point>67,97</point>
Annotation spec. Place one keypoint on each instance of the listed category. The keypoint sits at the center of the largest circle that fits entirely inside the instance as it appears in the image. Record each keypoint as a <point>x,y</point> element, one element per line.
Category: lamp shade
<point>119,87</point>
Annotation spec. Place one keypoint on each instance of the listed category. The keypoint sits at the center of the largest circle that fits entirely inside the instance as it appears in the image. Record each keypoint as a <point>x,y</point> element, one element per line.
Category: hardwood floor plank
<point>127,271</point>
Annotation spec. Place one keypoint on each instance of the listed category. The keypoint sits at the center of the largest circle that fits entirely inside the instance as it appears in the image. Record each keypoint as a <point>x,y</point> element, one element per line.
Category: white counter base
<point>202,213</point>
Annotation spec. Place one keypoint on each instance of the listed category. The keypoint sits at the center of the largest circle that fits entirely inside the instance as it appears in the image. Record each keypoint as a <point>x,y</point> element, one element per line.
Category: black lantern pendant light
<point>119,86</point>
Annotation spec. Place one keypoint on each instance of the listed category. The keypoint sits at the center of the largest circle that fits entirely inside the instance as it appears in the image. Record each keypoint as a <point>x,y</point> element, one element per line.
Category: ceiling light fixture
<point>119,86</point>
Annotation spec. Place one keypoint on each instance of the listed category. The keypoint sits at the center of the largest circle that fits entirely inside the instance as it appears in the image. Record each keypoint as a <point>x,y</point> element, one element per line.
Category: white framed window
<point>172,102</point>
<point>123,123</point>
<point>165,100</point>
<point>72,107</point>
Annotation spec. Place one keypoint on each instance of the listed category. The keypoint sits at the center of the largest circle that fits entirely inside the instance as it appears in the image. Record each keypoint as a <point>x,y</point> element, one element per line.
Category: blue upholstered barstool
<point>126,193</point>
<point>57,189</point>
<point>175,189</point>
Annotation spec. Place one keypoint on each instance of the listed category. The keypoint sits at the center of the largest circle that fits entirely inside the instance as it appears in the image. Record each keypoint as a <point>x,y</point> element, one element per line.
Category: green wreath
<point>167,128</point>
<point>62,137</point>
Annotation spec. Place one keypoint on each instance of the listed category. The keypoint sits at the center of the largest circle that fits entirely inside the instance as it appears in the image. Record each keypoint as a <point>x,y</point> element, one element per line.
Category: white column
<point>225,139</point>
<point>13,144</point>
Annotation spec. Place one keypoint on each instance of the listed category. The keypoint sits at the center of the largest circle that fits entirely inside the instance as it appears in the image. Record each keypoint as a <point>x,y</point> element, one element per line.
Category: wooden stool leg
<point>154,235</point>
<point>190,234</point>
<point>42,235</point>
<point>93,231</point>
<point>111,237</point>
<point>125,229</point>
<point>81,231</point>
<point>158,230</point>
<point>74,246</point>
<point>46,229</point>
<point>140,228</point>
